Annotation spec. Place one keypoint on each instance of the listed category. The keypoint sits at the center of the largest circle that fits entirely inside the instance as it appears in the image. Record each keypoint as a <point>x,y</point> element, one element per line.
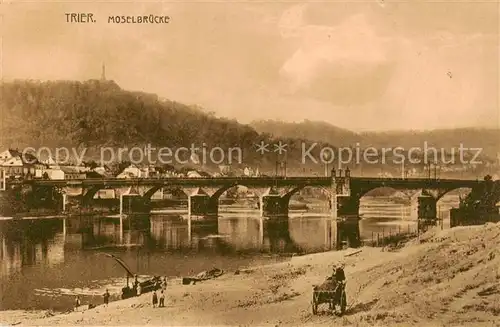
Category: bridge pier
<point>346,206</point>
<point>345,222</point>
<point>203,205</point>
<point>427,212</point>
<point>276,236</point>
<point>273,206</point>
<point>344,232</point>
<point>64,202</point>
<point>133,203</point>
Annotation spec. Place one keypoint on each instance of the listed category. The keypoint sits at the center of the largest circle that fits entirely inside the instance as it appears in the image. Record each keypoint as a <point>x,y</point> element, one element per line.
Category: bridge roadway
<point>370,182</point>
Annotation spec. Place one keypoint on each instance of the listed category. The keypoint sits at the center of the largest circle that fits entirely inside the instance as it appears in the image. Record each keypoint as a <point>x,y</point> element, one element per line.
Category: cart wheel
<point>343,303</point>
<point>314,308</point>
<point>314,305</point>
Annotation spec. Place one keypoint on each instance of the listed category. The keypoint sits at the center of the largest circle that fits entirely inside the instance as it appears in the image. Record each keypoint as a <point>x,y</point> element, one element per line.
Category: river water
<point>45,263</point>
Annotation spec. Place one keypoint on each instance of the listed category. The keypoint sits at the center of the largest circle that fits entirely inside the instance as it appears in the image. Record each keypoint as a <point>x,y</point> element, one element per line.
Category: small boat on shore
<point>204,275</point>
<point>139,287</point>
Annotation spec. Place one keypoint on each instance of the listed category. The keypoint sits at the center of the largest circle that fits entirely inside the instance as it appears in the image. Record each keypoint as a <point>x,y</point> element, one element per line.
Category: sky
<point>360,65</point>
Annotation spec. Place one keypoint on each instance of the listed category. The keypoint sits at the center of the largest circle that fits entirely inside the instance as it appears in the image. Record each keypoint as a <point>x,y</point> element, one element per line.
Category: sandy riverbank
<point>446,278</point>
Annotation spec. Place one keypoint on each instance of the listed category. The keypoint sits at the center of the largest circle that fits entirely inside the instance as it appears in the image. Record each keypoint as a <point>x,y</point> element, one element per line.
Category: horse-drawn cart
<point>332,293</point>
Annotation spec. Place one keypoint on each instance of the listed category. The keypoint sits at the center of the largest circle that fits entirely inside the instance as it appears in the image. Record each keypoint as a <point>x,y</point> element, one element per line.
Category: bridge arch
<point>149,193</point>
<point>250,187</point>
<point>169,188</point>
<point>295,192</point>
<point>377,189</point>
<point>220,192</point>
<point>91,192</point>
<point>386,202</point>
<point>442,194</point>
<point>224,189</point>
<point>383,191</point>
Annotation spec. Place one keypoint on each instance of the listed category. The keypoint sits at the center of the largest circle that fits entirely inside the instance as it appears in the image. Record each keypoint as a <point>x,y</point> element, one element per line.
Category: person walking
<point>155,299</point>
<point>162,300</point>
<point>164,284</point>
<point>77,302</point>
<point>106,298</point>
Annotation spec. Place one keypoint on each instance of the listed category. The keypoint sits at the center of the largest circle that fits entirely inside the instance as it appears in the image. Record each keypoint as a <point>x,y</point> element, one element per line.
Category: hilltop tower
<point>103,72</point>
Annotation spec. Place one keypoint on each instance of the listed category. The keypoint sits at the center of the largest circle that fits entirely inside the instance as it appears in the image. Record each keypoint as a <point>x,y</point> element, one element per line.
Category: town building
<point>16,164</point>
<point>7,154</point>
<point>71,172</point>
<point>65,172</point>
<point>193,174</point>
<point>104,171</point>
<point>134,171</point>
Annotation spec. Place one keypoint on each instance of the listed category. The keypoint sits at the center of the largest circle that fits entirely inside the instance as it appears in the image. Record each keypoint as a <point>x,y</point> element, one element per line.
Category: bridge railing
<point>392,236</point>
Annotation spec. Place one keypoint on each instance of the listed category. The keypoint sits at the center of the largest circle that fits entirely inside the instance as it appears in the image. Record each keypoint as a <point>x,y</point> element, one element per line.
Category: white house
<point>65,172</point>
<point>54,173</point>
<point>71,172</point>
<point>104,171</point>
<point>126,175</point>
<point>133,171</point>
<point>15,163</point>
<point>7,154</point>
<point>100,170</point>
<point>13,166</point>
<point>193,174</point>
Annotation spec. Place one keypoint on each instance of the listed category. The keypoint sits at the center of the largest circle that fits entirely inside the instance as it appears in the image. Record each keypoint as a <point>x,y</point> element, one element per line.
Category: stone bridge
<point>274,193</point>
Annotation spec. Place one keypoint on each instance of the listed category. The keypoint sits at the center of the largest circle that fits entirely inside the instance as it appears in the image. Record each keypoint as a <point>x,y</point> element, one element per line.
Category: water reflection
<point>30,242</point>
<point>109,232</point>
<point>180,233</point>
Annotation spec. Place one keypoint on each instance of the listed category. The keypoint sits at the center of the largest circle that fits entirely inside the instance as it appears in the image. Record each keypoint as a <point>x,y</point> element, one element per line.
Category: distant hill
<point>309,130</point>
<point>488,139</point>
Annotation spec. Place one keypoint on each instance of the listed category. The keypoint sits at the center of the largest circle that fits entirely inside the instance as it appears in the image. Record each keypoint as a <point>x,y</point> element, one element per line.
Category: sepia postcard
<point>250,163</point>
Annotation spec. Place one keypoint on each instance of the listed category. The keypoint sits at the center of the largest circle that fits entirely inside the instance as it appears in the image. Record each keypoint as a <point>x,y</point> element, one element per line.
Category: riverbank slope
<point>445,278</point>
